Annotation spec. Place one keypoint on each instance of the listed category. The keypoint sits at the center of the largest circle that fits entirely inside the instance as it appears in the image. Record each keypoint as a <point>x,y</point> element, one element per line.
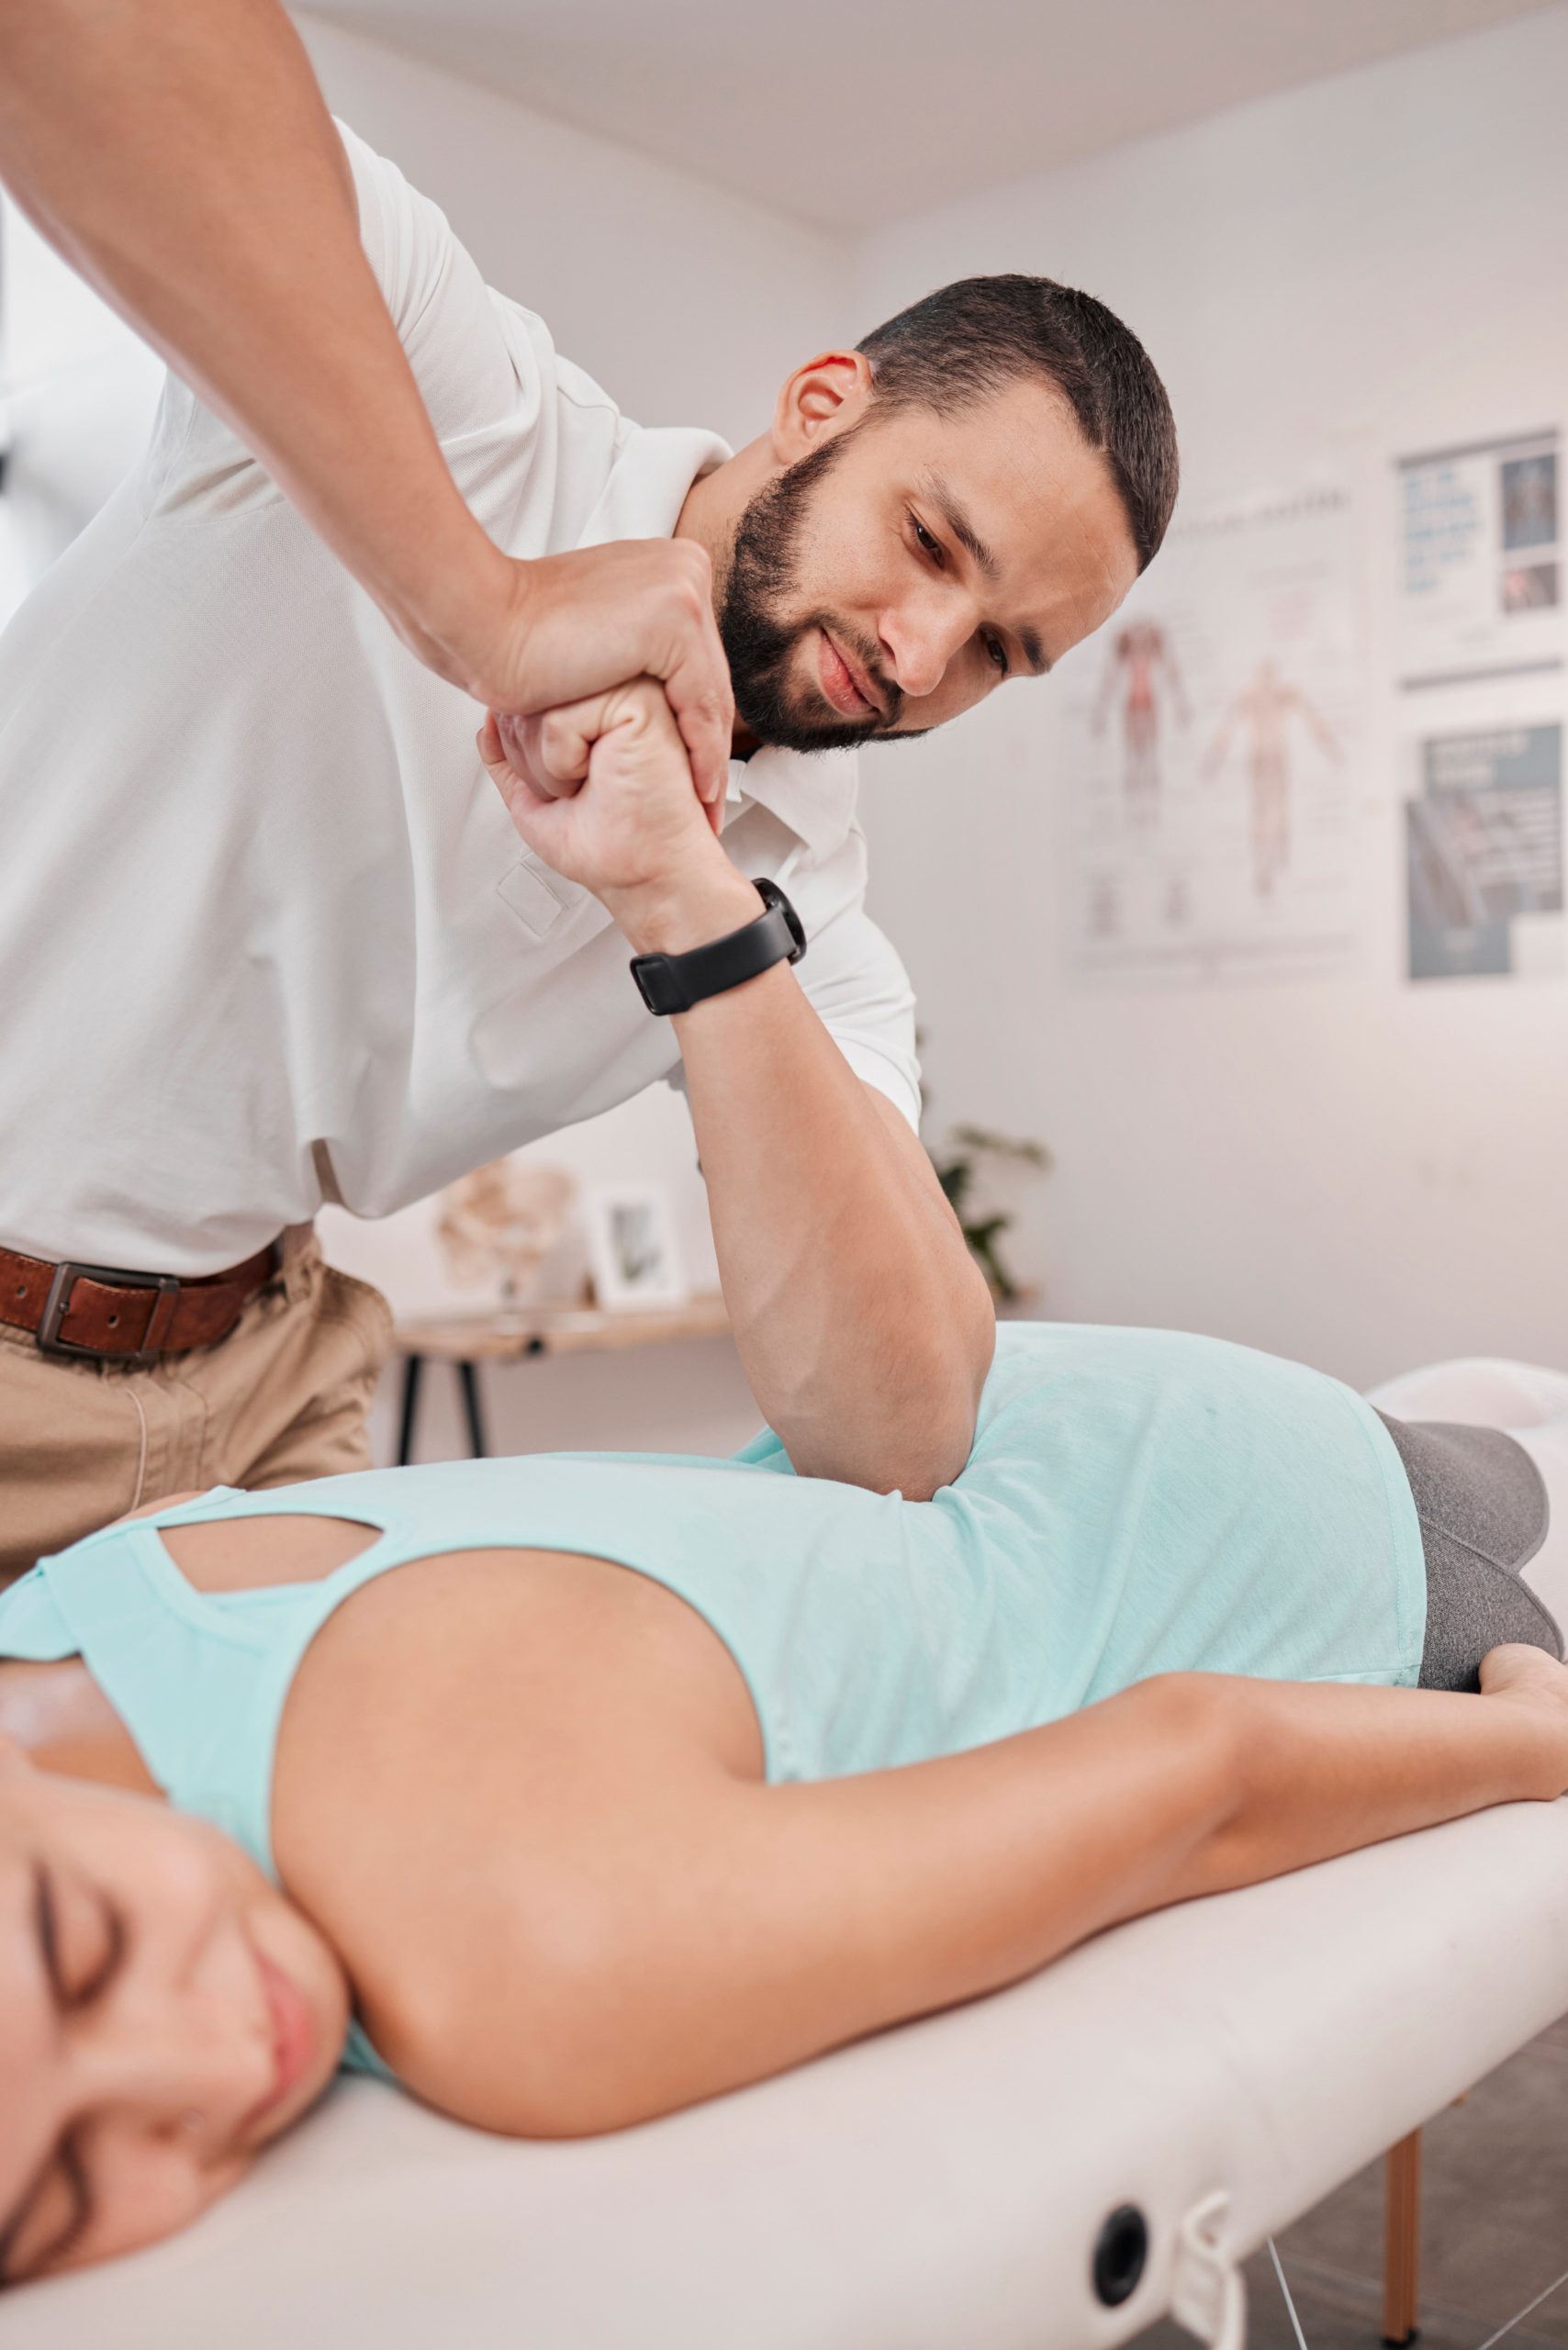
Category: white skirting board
<point>941,2187</point>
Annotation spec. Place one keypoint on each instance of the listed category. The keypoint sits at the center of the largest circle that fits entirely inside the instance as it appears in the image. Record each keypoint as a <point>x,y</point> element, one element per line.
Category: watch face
<point>792,922</point>
<point>656,984</point>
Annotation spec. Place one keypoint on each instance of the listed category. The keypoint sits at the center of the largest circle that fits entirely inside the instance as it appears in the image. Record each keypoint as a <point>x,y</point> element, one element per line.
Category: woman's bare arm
<point>762,1926</point>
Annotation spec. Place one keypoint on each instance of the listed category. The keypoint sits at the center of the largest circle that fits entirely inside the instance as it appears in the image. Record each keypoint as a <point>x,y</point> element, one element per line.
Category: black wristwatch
<point>675,982</point>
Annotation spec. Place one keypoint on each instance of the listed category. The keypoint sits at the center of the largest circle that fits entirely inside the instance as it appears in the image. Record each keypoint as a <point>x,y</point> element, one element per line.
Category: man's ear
<point>825,397</point>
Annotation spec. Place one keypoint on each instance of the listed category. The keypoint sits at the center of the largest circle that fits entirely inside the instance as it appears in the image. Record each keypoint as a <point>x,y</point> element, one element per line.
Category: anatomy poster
<point>1484,851</point>
<point>1480,567</point>
<point>1214,801</point>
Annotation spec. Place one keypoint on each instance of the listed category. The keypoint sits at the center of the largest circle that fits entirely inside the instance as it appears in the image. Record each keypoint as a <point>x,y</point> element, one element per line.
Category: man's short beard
<point>758,643</point>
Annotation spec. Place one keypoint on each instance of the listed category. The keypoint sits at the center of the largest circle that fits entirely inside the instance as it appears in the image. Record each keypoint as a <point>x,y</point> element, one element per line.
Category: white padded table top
<point>942,2185</point>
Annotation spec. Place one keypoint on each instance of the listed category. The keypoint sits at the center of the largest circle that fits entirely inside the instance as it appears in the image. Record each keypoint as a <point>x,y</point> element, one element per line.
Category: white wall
<point>689,305</point>
<point>1358,1172</point>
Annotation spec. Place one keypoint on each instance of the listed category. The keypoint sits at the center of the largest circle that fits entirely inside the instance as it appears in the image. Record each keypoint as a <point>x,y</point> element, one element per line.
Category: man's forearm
<point>864,1328</point>
<point>179,154</point>
<point>183,158</point>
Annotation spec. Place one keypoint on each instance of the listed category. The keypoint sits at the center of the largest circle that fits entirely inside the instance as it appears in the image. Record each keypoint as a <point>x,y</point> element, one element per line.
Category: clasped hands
<point>602,790</point>
<point>620,786</point>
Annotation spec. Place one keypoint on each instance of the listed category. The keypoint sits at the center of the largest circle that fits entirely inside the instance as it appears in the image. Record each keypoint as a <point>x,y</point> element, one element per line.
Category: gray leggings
<point>1483,1512</point>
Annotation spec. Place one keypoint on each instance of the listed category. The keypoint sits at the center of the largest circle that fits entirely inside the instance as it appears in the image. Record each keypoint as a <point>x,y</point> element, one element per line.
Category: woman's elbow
<point>561,2042</point>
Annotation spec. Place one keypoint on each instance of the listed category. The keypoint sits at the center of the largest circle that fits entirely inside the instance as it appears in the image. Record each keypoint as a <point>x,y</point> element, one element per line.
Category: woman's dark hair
<point>971,339</point>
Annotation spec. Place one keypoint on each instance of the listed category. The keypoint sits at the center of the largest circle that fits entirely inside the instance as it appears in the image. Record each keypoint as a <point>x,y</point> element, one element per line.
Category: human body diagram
<point>1261,713</point>
<point>1141,673</point>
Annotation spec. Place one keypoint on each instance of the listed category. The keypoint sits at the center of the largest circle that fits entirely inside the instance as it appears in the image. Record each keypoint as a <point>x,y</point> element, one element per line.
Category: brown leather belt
<point>103,1312</point>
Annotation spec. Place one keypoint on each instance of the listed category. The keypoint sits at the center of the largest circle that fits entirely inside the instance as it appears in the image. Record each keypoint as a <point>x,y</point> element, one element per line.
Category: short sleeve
<point>447,319</point>
<point>470,369</point>
<point>862,991</point>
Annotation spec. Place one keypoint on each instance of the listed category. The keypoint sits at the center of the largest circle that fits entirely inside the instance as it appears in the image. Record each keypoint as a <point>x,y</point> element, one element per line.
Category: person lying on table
<point>748,1765</point>
<point>268,937</point>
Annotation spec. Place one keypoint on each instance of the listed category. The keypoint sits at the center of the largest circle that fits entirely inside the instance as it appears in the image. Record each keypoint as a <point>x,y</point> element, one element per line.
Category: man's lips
<point>844,683</point>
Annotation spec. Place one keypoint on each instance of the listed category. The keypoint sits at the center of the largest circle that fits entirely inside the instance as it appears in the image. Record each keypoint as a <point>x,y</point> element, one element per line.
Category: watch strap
<point>671,983</point>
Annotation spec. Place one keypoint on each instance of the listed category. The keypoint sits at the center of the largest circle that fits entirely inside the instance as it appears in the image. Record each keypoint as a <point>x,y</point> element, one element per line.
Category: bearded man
<point>269,934</point>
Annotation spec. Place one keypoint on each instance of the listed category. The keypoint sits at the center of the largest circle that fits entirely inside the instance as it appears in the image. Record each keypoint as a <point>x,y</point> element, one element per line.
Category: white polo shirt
<point>266,933</point>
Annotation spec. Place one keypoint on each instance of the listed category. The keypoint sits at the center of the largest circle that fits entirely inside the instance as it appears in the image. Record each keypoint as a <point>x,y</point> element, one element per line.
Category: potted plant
<point>957,1162</point>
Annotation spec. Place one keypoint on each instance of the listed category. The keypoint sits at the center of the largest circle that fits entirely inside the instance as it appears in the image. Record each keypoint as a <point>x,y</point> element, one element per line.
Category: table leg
<point>413,1366</point>
<point>468,1373</point>
<point>1401,2242</point>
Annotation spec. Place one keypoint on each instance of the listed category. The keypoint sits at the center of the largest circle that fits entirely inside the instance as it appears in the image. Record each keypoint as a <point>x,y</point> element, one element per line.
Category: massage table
<point>1050,2168</point>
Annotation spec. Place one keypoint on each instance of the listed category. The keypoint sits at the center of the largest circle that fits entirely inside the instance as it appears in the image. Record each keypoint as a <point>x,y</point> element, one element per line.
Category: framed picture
<point>632,1246</point>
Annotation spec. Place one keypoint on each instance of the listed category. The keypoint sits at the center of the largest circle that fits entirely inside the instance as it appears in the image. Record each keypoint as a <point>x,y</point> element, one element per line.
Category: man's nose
<point>920,637</point>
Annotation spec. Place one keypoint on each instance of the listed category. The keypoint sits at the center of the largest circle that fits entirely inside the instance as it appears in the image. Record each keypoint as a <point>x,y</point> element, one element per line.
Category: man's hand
<point>601,790</point>
<point>578,624</point>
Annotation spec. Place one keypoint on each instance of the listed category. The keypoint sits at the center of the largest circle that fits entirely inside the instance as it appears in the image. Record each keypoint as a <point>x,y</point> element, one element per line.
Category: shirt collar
<point>654,467</point>
<point>813,795</point>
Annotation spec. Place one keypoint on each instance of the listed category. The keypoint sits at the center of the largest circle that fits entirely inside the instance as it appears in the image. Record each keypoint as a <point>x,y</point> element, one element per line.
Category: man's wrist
<point>669,916</point>
<point>468,596</point>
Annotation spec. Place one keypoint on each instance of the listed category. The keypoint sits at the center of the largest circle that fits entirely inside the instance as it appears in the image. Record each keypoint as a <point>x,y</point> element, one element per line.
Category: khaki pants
<point>284,1397</point>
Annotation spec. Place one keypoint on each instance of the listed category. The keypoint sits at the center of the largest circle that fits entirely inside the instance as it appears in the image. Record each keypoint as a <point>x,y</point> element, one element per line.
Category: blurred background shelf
<point>525,1335</point>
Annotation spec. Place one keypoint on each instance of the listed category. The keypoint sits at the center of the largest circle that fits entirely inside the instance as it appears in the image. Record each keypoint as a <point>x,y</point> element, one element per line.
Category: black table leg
<point>413,1366</point>
<point>468,1373</point>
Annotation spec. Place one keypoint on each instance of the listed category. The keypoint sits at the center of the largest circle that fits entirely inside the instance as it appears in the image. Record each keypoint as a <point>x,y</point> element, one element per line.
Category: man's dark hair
<point>973,338</point>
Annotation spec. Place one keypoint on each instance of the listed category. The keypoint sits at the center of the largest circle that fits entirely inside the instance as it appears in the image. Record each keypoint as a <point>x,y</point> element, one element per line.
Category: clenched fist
<point>582,623</point>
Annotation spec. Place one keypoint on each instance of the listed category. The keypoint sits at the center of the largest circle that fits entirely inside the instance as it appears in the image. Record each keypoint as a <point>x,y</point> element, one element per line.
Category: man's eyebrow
<point>958,523</point>
<point>969,539</point>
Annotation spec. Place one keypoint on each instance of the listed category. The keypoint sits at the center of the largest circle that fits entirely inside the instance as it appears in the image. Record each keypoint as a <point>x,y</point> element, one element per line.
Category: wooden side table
<point>466,1342</point>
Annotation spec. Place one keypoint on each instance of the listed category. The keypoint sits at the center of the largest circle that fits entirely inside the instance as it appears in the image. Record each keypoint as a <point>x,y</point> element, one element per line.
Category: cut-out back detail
<point>227,1554</point>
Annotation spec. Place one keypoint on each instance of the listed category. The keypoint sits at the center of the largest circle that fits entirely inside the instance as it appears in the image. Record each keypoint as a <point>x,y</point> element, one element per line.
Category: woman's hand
<point>602,790</point>
<point>1528,1677</point>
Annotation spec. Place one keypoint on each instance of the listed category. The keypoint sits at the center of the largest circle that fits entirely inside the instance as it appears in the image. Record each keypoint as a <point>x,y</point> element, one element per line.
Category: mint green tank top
<point>1136,1502</point>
